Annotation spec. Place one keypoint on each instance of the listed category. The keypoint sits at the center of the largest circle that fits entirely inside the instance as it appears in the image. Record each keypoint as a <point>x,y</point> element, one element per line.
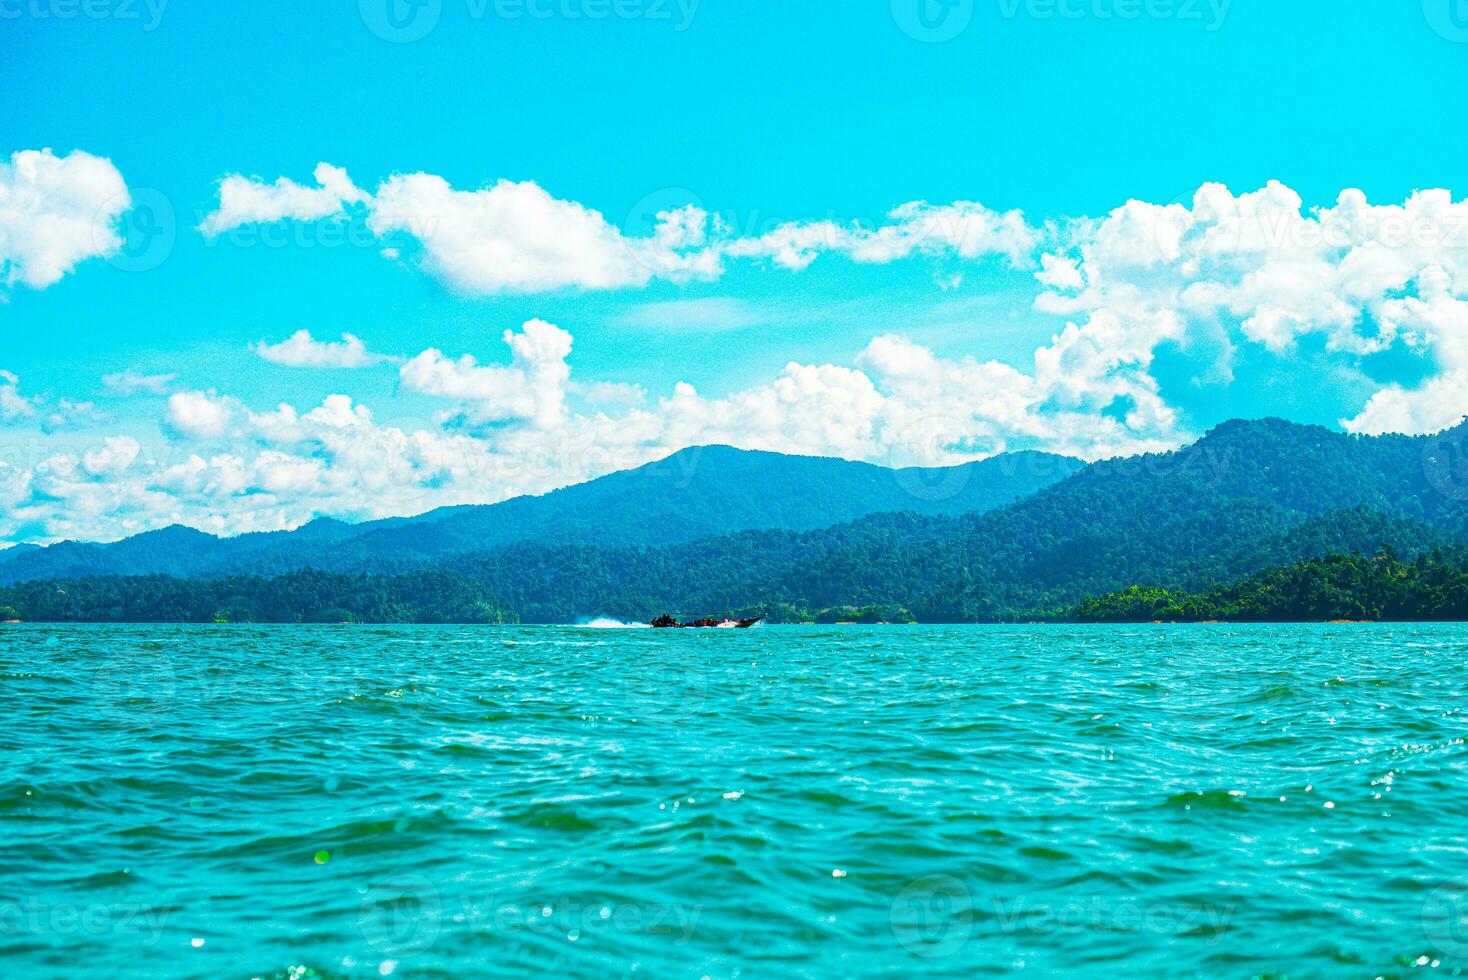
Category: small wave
<point>1211,799</point>
<point>607,623</point>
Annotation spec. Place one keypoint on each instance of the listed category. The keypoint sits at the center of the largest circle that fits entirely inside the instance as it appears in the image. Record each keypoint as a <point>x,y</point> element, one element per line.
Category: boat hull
<point>668,622</point>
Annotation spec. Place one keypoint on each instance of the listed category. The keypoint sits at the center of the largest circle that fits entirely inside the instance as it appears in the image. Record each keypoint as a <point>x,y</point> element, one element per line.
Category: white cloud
<point>1439,403</point>
<point>245,200</point>
<point>200,414</point>
<point>515,237</point>
<point>281,473</point>
<point>608,393</point>
<point>47,413</point>
<point>964,229</point>
<point>1434,322</point>
<point>57,211</point>
<point>532,388</point>
<point>1059,272</point>
<point>1253,272</point>
<point>893,394</point>
<point>13,405</point>
<point>117,454</point>
<point>131,382</point>
<point>1258,270</point>
<point>300,350</point>
<point>67,413</point>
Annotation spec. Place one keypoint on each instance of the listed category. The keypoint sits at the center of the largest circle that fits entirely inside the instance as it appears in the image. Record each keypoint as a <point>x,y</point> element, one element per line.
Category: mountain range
<point>691,494</point>
<point>718,529</point>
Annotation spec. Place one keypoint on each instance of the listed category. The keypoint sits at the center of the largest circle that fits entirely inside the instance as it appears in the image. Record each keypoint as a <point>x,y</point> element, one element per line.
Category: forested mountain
<point>1248,497</point>
<point>899,560</point>
<point>1332,587</point>
<point>18,550</point>
<point>307,596</point>
<point>692,494</point>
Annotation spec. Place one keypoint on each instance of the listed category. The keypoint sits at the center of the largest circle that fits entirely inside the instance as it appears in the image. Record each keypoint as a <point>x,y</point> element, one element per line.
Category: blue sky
<point>759,114</point>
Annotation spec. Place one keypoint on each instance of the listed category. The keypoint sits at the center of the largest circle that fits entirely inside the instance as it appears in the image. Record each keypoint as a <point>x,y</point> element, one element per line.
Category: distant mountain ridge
<point>1248,497</point>
<point>694,493</point>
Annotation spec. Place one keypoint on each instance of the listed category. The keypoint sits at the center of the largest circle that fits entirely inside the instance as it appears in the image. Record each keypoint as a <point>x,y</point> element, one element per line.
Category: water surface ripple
<point>809,801</point>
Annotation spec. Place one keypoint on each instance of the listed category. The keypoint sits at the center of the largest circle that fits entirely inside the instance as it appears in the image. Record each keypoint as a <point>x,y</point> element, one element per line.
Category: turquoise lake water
<point>807,801</point>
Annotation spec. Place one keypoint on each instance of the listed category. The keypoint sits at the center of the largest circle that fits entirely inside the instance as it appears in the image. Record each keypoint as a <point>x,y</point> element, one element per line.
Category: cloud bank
<point>1222,282</point>
<point>515,237</point>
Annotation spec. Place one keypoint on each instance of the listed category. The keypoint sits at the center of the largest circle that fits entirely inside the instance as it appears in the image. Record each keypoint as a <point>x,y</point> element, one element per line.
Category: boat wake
<point>607,623</point>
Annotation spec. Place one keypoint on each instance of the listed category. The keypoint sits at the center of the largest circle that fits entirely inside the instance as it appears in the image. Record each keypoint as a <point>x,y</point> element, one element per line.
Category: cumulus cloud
<point>301,350</point>
<point>894,394</point>
<point>515,237</point>
<point>531,388</point>
<point>246,200</point>
<point>57,211</point>
<point>1261,271</point>
<point>1441,402</point>
<point>1434,322</point>
<point>116,454</point>
<point>200,414</point>
<point>1059,272</point>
